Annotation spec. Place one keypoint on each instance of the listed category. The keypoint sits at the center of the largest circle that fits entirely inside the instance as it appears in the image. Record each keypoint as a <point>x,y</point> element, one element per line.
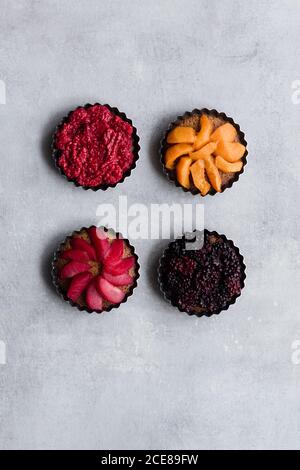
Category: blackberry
<point>182,265</point>
<point>233,287</point>
<point>172,281</point>
<point>208,279</point>
<point>188,300</point>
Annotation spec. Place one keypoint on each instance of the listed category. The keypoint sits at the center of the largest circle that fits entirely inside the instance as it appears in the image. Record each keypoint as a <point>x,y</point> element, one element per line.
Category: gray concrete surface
<point>146,376</point>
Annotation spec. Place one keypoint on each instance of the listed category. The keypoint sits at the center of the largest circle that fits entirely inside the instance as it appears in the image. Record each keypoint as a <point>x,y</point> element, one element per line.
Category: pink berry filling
<point>95,146</point>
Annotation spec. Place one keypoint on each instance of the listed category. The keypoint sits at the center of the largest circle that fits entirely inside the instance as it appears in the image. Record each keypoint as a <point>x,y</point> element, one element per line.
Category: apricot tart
<point>95,146</point>
<point>204,152</point>
<point>202,274</point>
<point>95,269</point>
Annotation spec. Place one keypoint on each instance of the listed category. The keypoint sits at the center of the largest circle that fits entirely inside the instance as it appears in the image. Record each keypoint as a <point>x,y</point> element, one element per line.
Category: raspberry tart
<point>95,146</point>
<point>203,274</point>
<point>204,152</point>
<point>95,269</point>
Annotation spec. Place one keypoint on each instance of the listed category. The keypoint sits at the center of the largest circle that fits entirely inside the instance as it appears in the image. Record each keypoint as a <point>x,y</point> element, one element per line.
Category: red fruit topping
<point>93,298</point>
<point>115,252</point>
<point>100,241</point>
<point>81,244</point>
<point>122,267</point>
<point>120,280</point>
<point>95,146</point>
<point>110,292</point>
<point>76,255</point>
<point>78,285</point>
<point>73,268</point>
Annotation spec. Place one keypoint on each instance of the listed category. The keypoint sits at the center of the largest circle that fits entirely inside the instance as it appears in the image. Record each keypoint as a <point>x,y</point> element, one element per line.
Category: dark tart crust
<point>203,281</point>
<point>192,119</point>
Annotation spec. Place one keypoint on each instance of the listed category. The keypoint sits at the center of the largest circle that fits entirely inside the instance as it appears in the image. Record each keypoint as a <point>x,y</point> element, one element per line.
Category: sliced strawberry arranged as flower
<point>73,268</point>
<point>120,268</point>
<point>115,252</point>
<point>110,292</point>
<point>83,245</point>
<point>93,298</point>
<point>78,284</point>
<point>76,255</point>
<point>100,241</point>
<point>120,280</point>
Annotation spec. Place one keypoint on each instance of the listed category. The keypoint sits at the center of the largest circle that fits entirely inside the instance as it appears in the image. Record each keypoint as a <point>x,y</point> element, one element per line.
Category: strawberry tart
<point>95,269</point>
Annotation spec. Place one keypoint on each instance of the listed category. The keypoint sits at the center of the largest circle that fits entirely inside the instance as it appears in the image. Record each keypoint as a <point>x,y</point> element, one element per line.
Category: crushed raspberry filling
<point>95,146</point>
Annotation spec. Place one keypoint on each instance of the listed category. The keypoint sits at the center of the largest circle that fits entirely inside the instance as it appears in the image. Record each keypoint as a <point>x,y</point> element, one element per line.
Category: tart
<point>204,152</point>
<point>95,146</point>
<point>203,277</point>
<point>95,269</point>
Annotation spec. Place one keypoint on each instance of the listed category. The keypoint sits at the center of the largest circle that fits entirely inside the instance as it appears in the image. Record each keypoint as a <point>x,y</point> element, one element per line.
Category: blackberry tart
<point>204,152</point>
<point>201,274</point>
<point>95,269</point>
<point>95,146</point>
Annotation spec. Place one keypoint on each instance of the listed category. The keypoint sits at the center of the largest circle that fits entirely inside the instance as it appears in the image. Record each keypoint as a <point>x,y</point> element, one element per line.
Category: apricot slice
<point>231,151</point>
<point>204,152</point>
<point>183,171</point>
<point>174,152</point>
<point>204,134</point>
<point>213,173</point>
<point>227,167</point>
<point>180,135</point>
<point>225,132</point>
<point>197,171</point>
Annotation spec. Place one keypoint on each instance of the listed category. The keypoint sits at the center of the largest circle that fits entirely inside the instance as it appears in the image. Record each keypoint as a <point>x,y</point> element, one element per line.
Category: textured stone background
<point>146,376</point>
